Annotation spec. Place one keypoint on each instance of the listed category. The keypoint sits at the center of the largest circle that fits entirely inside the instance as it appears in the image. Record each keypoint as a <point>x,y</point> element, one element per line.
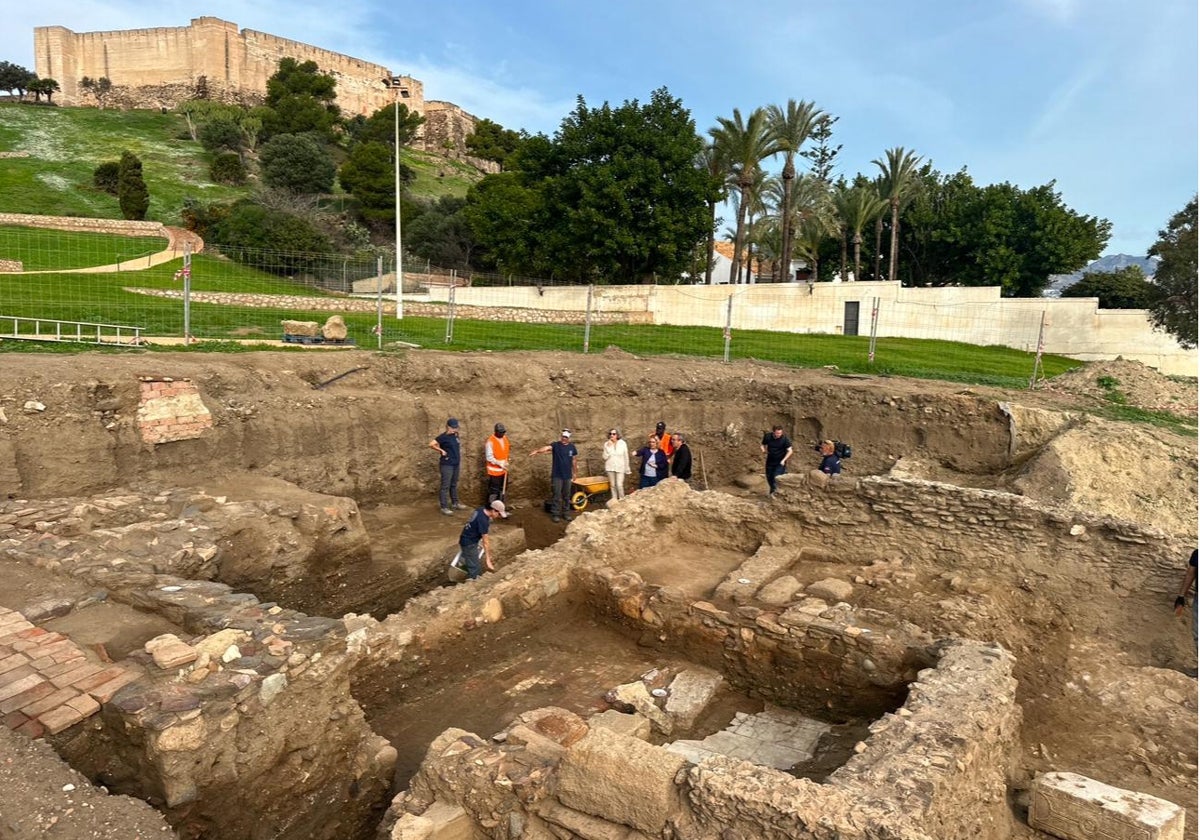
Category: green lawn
<point>46,250</point>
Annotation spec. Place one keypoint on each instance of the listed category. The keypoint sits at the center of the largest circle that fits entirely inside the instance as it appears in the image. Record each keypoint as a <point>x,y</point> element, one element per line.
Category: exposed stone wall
<point>1004,535</point>
<point>122,227</point>
<point>446,128</point>
<point>164,66</point>
<point>934,769</point>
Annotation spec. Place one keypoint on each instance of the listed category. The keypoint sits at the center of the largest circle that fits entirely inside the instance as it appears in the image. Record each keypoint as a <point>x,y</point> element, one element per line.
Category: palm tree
<point>899,175</point>
<point>808,198</point>
<point>790,128</point>
<point>709,161</point>
<point>743,145</point>
<point>857,206</point>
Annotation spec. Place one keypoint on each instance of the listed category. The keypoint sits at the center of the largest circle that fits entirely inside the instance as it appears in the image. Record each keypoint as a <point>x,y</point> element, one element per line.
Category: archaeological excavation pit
<point>244,620</point>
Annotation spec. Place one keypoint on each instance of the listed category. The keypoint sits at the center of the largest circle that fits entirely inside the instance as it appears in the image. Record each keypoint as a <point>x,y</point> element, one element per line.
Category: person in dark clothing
<point>831,464</point>
<point>563,470</point>
<point>778,448</point>
<point>474,534</point>
<point>654,465</point>
<point>447,446</point>
<point>681,460</point>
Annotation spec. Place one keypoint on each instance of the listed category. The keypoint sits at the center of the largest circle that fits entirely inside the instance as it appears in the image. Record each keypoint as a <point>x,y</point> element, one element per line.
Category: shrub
<point>228,169</point>
<point>105,176</point>
<point>132,193</point>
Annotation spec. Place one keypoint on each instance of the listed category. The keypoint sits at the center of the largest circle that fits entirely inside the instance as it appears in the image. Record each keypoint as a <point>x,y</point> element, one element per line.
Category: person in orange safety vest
<point>664,439</point>
<point>496,456</point>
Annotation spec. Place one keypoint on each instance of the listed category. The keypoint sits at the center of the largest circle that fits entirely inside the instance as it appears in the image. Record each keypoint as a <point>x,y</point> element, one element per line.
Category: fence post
<point>187,293</point>
<point>728,323</point>
<point>587,321</point>
<point>379,301</point>
<point>1037,359</point>
<point>450,306</point>
<point>874,328</point>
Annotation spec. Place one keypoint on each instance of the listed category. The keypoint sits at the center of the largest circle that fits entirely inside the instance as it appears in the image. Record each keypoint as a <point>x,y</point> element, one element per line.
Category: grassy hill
<point>65,145</point>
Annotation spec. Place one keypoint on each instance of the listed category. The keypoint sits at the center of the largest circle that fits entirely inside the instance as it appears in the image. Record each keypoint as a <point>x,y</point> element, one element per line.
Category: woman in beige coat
<point>616,463</point>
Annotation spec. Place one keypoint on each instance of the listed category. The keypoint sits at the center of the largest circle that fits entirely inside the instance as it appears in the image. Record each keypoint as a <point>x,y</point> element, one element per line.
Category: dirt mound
<point>1126,471</point>
<point>1141,386</point>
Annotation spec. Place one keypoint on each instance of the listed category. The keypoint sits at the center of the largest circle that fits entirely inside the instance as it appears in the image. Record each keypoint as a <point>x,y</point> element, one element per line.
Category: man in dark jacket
<point>681,459</point>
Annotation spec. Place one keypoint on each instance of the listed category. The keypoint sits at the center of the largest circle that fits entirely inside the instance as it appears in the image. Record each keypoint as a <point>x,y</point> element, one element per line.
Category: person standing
<point>653,467</point>
<point>447,446</point>
<point>474,534</point>
<point>495,453</point>
<point>831,462</point>
<point>664,439</point>
<point>616,463</point>
<point>563,468</point>
<point>681,459</point>
<point>777,448</point>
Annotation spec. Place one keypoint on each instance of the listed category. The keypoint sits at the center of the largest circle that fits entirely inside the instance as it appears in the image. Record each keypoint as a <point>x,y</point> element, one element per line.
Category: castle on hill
<point>214,59</point>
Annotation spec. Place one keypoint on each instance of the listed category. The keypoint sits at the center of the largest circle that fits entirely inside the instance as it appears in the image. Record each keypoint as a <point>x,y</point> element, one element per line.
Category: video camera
<point>842,450</point>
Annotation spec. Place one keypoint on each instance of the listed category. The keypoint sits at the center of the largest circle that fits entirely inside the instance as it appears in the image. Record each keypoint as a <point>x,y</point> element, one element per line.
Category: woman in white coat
<point>616,463</point>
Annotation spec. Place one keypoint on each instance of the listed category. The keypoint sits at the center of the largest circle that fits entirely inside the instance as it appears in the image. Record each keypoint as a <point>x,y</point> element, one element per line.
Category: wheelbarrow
<point>582,490</point>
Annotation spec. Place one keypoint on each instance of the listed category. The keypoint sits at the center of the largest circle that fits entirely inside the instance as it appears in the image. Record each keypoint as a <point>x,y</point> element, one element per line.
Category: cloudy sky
<point>1098,95</point>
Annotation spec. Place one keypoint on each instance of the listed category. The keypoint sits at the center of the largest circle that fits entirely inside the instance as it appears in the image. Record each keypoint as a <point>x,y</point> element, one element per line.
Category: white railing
<point>53,329</point>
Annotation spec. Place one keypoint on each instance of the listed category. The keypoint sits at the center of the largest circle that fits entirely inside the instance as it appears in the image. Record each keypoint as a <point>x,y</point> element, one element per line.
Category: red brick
<point>56,720</point>
<point>84,704</point>
<point>63,656</point>
<point>73,676</point>
<point>99,678</point>
<point>14,719</point>
<point>26,697</point>
<point>43,662</point>
<point>12,662</point>
<point>13,689</point>
<point>62,667</point>
<point>33,633</point>
<point>104,692</point>
<point>49,702</point>
<point>31,729</point>
<point>23,644</point>
<point>55,648</point>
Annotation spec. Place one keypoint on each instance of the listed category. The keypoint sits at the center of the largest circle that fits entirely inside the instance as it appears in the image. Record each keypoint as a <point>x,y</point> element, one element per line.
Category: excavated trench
<point>819,637</point>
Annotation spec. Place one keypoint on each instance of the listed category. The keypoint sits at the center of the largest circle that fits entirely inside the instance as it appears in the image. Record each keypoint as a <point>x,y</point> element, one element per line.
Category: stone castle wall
<point>211,58</point>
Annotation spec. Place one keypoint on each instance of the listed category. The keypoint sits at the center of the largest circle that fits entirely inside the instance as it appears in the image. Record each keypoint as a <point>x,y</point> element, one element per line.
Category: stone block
<point>633,726</point>
<point>831,589</point>
<point>449,822</point>
<point>580,825</point>
<point>334,328</point>
<point>767,563</point>
<point>309,329</point>
<point>412,827</point>
<point>634,697</point>
<point>622,780</point>
<point>1075,807</point>
<point>690,693</point>
<point>534,743</point>
<point>219,642</point>
<point>780,591</point>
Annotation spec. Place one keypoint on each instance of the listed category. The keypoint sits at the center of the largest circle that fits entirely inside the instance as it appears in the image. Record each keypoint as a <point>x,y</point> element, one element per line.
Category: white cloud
<point>1060,11</point>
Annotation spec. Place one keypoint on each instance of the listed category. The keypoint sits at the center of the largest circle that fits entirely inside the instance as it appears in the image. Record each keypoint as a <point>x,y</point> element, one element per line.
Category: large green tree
<point>1126,288</point>
<point>132,193</point>
<point>381,126</point>
<point>1176,276</point>
<point>369,175</point>
<point>298,163</point>
<point>500,210</point>
<point>492,141</point>
<point>249,228</point>
<point>300,98</point>
<point>442,234</point>
<point>621,198</point>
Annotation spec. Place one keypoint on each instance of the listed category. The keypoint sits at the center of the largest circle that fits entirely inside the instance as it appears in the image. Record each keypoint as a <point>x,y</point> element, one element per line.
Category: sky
<point>1099,96</point>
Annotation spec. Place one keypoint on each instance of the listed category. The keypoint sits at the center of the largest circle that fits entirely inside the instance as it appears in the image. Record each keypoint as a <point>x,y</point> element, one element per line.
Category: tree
<point>822,153</point>
<point>789,129</point>
<point>1176,277</point>
<point>442,234</point>
<point>15,77</point>
<point>898,171</point>
<point>132,194</point>
<point>297,163</point>
<point>98,88</point>
<point>46,87</point>
<point>709,161</point>
<point>1126,288</point>
<point>499,210</point>
<point>227,168</point>
<point>250,227</point>
<point>369,175</point>
<point>222,134</point>
<point>380,127</point>
<point>858,207</point>
<point>492,141</point>
<point>106,176</point>
<point>744,145</point>
<point>621,197</point>
<point>300,99</point>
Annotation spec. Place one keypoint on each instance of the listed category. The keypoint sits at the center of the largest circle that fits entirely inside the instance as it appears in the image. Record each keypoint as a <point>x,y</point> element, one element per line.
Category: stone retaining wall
<point>1008,537</point>
<point>121,227</point>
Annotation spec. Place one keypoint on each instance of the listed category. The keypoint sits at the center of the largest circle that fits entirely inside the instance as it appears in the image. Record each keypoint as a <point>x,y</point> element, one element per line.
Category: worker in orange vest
<point>664,439</point>
<point>495,453</point>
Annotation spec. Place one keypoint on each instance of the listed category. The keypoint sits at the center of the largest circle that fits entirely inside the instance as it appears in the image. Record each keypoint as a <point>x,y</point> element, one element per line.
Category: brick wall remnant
<point>171,410</point>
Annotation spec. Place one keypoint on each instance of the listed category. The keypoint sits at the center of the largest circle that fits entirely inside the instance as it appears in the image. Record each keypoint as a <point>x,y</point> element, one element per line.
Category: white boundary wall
<point>1074,327</point>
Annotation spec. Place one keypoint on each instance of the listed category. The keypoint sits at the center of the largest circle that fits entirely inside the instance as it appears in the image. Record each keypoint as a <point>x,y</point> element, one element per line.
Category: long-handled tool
<point>703,472</point>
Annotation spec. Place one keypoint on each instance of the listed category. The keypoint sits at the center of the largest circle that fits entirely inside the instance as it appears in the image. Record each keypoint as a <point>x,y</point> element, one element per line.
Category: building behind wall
<point>212,59</point>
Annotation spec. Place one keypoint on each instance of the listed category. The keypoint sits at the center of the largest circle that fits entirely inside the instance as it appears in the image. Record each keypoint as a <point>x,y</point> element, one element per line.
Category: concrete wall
<point>977,315</point>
